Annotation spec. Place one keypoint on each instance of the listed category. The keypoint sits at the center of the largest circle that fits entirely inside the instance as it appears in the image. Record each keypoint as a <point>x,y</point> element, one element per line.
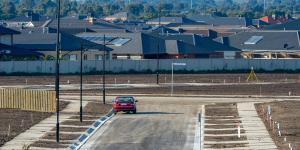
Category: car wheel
<point>134,112</point>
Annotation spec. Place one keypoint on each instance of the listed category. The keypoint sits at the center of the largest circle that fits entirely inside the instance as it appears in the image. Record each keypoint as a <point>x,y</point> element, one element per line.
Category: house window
<point>98,57</point>
<point>73,57</point>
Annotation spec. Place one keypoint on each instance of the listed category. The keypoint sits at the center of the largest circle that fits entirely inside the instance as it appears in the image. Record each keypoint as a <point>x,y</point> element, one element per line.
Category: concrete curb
<point>91,131</point>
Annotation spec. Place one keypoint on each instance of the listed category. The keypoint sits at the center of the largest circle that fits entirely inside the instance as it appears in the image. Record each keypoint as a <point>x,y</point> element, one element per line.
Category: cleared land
<point>148,78</point>
<point>221,121</point>
<point>72,128</point>
<point>217,84</point>
<point>14,121</point>
<point>287,113</point>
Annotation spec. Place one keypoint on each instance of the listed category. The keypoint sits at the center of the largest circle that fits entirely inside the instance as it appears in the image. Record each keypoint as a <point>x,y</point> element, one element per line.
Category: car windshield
<point>125,99</point>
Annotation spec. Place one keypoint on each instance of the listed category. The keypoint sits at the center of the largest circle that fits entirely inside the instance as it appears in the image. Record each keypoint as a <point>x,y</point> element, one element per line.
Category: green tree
<point>135,10</point>
<point>149,11</point>
<point>8,9</point>
<point>28,4</point>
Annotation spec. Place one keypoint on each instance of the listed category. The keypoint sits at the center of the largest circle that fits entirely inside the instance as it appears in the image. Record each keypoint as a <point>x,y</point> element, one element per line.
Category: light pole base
<point>57,132</point>
<point>80,113</point>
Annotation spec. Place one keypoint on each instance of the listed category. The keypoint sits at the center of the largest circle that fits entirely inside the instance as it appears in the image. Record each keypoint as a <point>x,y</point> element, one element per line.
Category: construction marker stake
<point>239,130</point>
<point>8,132</point>
<point>269,110</point>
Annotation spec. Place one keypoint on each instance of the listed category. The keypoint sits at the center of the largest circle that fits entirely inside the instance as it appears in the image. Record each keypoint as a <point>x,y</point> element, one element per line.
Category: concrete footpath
<point>37,131</point>
<point>256,132</point>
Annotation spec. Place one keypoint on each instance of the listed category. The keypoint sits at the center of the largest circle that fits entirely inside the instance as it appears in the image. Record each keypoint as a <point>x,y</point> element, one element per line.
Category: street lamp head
<point>179,64</point>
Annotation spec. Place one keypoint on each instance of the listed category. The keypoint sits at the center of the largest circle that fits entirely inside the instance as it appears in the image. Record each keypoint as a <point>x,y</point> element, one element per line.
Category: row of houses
<point>34,36</point>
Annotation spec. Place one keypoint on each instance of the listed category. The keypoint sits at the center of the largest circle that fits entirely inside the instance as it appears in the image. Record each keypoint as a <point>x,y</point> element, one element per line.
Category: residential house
<point>224,26</point>
<point>118,16</point>
<point>10,52</point>
<point>44,41</point>
<point>29,20</point>
<point>293,25</point>
<point>75,24</point>
<point>170,20</point>
<point>265,44</point>
<point>164,46</point>
<point>274,20</point>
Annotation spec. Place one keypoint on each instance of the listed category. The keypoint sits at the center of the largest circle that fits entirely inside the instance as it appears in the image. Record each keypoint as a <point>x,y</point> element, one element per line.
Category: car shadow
<point>157,113</point>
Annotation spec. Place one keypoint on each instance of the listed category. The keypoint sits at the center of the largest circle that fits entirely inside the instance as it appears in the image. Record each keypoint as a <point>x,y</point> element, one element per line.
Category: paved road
<point>158,125</point>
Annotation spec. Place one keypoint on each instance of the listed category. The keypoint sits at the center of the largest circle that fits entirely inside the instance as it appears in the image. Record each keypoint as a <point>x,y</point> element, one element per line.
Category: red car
<point>124,103</point>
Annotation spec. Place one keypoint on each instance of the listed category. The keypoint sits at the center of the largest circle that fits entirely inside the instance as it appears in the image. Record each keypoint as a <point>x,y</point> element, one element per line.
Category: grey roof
<point>271,40</point>
<point>180,20</point>
<point>36,19</point>
<point>149,44</point>
<point>36,39</point>
<point>29,16</point>
<point>162,30</point>
<point>196,44</point>
<point>133,26</point>
<point>4,31</point>
<point>16,51</point>
<point>73,25</point>
<point>293,25</point>
<point>215,20</point>
<point>138,44</point>
<point>119,15</point>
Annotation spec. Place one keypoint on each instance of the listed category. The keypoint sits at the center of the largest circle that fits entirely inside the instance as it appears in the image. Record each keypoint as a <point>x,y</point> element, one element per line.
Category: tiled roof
<point>16,51</point>
<point>269,40</point>
<point>4,31</point>
<point>37,39</point>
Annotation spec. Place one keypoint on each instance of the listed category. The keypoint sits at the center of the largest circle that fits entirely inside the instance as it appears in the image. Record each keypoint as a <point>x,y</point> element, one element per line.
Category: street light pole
<point>81,52</point>
<point>172,78</point>
<point>103,72</point>
<point>157,64</point>
<point>157,54</point>
<point>57,71</point>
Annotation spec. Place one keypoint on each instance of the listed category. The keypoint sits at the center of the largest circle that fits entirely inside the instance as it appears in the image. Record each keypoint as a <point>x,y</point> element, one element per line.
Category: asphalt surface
<point>159,125</point>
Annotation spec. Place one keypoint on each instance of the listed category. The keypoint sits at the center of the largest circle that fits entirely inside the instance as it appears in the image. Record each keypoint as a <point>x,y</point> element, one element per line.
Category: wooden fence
<point>33,100</point>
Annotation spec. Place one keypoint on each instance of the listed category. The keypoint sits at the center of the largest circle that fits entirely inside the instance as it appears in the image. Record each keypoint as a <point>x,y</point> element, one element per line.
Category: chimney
<point>225,41</point>
<point>212,34</point>
<point>91,20</point>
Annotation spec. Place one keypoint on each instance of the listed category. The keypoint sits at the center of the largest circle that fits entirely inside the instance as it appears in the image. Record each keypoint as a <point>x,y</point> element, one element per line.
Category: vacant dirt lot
<point>14,121</point>
<point>288,83</point>
<point>246,89</point>
<point>215,113</point>
<point>287,113</point>
<point>148,78</point>
<point>71,131</point>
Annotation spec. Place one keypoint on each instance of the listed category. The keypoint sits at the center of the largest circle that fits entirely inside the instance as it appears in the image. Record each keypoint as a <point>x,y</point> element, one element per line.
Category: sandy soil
<point>14,121</point>
<point>287,113</point>
<point>96,110</point>
<point>147,78</point>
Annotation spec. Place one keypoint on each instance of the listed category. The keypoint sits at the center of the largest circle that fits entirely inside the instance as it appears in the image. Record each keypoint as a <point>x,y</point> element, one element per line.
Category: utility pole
<point>80,109</point>
<point>103,72</point>
<point>57,71</point>
<point>191,4</point>
<point>157,53</point>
